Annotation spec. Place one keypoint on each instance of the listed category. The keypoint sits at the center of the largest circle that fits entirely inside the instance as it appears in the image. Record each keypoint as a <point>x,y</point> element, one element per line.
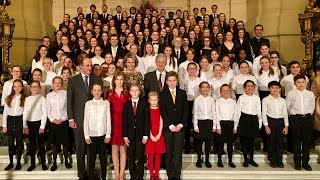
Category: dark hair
<point>192,63</point>
<point>94,6</point>
<point>45,37</point>
<point>172,61</point>
<point>299,76</point>
<point>258,25</point>
<point>116,74</point>
<point>10,97</point>
<point>225,85</point>
<point>37,56</point>
<point>172,74</point>
<point>274,83</point>
<point>204,82</point>
<point>292,63</point>
<point>37,70</point>
<point>271,71</point>
<point>66,68</point>
<point>265,44</point>
<point>279,65</point>
<point>243,62</point>
<point>248,81</point>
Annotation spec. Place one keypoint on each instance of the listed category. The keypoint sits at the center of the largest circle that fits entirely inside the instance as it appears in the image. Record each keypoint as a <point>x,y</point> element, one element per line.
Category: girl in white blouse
<point>279,69</point>
<point>172,63</point>
<point>149,59</point>
<point>265,75</point>
<point>227,72</point>
<point>238,80</point>
<point>12,122</point>
<point>227,123</point>
<point>249,115</point>
<point>97,59</point>
<point>97,130</point>
<point>205,72</point>
<point>217,81</point>
<point>34,123</point>
<point>59,126</point>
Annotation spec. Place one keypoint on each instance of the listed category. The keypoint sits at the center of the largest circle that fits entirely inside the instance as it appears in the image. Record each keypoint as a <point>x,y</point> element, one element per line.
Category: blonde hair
<point>46,58</point>
<point>153,93</point>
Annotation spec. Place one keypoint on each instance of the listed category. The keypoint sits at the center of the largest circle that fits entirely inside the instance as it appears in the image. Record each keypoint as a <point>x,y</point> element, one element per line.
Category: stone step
<point>189,172</point>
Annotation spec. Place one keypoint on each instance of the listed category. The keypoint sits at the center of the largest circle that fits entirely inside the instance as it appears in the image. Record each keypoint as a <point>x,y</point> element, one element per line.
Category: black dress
<point>15,126</point>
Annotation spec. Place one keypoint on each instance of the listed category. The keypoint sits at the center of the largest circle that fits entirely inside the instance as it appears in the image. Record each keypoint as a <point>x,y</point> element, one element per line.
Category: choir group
<point>137,84</point>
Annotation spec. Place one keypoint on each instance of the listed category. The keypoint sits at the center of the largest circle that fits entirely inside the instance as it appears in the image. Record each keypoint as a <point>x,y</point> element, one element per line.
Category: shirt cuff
<point>108,136</point>
<point>71,120</point>
<point>196,127</point>
<point>42,126</point>
<point>87,137</point>
<point>171,126</point>
<point>125,138</point>
<point>181,126</point>
<point>145,137</point>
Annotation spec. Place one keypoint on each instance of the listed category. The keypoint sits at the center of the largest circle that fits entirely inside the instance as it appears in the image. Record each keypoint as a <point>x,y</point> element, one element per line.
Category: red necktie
<point>134,108</point>
<point>119,17</point>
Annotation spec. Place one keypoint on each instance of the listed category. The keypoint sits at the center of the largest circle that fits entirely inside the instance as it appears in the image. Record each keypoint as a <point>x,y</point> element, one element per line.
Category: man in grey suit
<point>78,94</point>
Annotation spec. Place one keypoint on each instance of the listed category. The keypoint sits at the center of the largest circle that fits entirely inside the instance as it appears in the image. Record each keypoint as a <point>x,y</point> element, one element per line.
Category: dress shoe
<point>208,164</point>
<point>68,165</point>
<point>245,164</point>
<point>297,167</point>
<point>219,164</point>
<point>307,167</point>
<point>18,167</point>
<point>31,168</point>
<point>54,167</point>
<point>198,164</point>
<point>9,167</point>
<point>44,167</point>
<point>254,164</point>
<point>232,165</point>
<point>280,165</point>
<point>273,165</point>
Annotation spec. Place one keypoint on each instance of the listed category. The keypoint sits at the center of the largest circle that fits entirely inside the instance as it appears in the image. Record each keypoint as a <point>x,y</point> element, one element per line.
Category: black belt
<point>301,115</point>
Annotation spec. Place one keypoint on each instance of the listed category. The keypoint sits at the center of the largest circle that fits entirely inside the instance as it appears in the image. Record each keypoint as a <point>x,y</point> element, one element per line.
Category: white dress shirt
<point>277,70</point>
<point>256,65</point>
<point>203,109</point>
<point>227,110</point>
<point>206,75</point>
<point>57,105</point>
<point>14,110</point>
<point>109,79</point>
<point>215,86</point>
<point>6,89</point>
<point>35,109</point>
<point>97,60</point>
<point>300,102</point>
<point>288,83</point>
<point>191,86</point>
<point>38,64</point>
<point>274,108</point>
<point>49,77</point>
<point>149,63</point>
<point>235,67</point>
<point>182,71</point>
<point>264,79</point>
<point>169,67</point>
<point>238,82</point>
<point>228,75</point>
<point>97,120</point>
<point>250,105</point>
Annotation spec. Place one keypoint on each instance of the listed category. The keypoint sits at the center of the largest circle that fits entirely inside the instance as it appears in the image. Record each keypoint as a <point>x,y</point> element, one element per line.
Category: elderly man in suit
<point>78,94</point>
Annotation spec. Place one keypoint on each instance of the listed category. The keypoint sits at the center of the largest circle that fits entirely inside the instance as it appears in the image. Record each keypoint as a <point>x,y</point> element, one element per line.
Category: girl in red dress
<point>117,97</point>
<point>155,145</point>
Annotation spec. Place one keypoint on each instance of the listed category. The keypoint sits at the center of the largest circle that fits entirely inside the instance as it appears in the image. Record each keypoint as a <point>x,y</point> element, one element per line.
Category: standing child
<point>249,113</point>
<point>97,130</point>
<point>155,145</point>
<point>217,81</point>
<point>149,59</point>
<point>135,130</point>
<point>48,74</point>
<point>34,123</point>
<point>59,126</point>
<point>12,121</point>
<point>203,122</point>
<point>301,104</point>
<point>275,121</point>
<point>227,123</point>
<point>66,75</point>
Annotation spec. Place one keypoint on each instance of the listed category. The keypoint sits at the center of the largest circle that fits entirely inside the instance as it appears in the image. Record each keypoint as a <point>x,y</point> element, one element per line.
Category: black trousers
<point>263,134</point>
<point>136,159</point>
<point>275,140</point>
<point>174,145</point>
<point>34,138</point>
<point>189,126</point>
<point>247,147</point>
<point>207,146</point>
<point>301,131</point>
<point>14,132</point>
<point>97,147</point>
<point>80,145</point>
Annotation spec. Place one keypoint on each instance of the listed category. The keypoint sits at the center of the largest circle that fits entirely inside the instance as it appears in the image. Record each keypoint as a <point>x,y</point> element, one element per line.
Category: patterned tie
<point>160,82</point>
<point>134,108</point>
<point>173,97</point>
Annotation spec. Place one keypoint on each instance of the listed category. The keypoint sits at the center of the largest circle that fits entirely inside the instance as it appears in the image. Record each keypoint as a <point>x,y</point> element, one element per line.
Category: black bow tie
<point>155,43</point>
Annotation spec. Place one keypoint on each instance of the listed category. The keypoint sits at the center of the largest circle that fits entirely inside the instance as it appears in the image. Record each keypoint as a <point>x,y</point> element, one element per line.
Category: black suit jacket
<point>182,56</point>
<point>104,19</point>
<point>135,127</point>
<point>256,44</point>
<point>173,113</point>
<point>196,46</point>
<point>77,96</point>
<point>120,52</point>
<point>88,17</point>
<point>151,83</point>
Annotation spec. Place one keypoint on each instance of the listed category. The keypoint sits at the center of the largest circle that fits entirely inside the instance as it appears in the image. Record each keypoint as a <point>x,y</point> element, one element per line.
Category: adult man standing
<point>78,94</point>
<point>256,41</point>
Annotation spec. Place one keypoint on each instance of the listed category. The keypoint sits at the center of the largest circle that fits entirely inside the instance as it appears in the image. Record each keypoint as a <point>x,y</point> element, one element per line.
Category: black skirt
<point>205,129</point>
<point>226,132</point>
<point>59,134</point>
<point>14,126</point>
<point>248,125</point>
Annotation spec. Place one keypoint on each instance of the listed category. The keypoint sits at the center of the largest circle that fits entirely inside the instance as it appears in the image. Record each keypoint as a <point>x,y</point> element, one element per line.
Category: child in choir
<point>203,122</point>
<point>182,71</point>
<point>172,62</point>
<point>264,51</point>
<point>217,81</point>
<point>108,58</point>
<point>265,75</point>
<point>275,121</point>
<point>191,85</point>
<point>16,73</point>
<point>66,75</point>
<point>59,126</point>
<point>227,123</point>
<point>287,82</point>
<point>249,115</point>
<point>155,145</point>
<point>227,72</point>
<point>149,59</point>
<point>279,69</point>
<point>205,72</point>
<point>48,74</point>
<point>37,76</point>
<point>242,56</point>
<point>301,105</point>
<point>12,122</point>
<point>34,123</point>
<point>117,97</point>
<point>97,131</point>
<point>238,80</point>
<point>97,59</point>
<point>135,130</point>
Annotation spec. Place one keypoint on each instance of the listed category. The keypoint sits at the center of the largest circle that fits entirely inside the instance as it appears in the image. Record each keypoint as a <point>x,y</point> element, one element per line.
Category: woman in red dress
<point>117,97</point>
<point>155,145</point>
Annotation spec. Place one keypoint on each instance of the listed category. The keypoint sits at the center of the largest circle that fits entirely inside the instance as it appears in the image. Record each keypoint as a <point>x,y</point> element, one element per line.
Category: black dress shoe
<point>187,151</point>
<point>68,165</point>
<point>297,167</point>
<point>198,164</point>
<point>31,168</point>
<point>208,164</point>
<point>232,165</point>
<point>44,167</point>
<point>307,167</point>
<point>9,167</point>
<point>254,164</point>
<point>18,167</point>
<point>280,165</point>
<point>220,165</point>
<point>54,167</point>
<point>273,165</point>
<point>245,164</point>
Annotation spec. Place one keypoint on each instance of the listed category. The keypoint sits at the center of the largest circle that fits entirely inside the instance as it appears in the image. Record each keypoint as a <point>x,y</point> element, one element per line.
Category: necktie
<point>119,17</point>
<point>86,82</point>
<point>173,97</point>
<point>155,43</point>
<point>160,82</point>
<point>134,108</point>
<point>178,57</point>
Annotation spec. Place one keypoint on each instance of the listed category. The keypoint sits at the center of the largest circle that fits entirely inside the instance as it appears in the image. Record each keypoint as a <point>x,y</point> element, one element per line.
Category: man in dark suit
<point>89,16</point>
<point>118,17</point>
<point>195,14</point>
<point>214,9</point>
<point>195,45</point>
<point>178,51</point>
<point>158,48</point>
<point>78,94</point>
<point>114,49</point>
<point>104,15</point>
<point>174,112</point>
<point>133,12</point>
<point>135,130</point>
<point>79,19</point>
<point>256,41</point>
<point>66,21</point>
